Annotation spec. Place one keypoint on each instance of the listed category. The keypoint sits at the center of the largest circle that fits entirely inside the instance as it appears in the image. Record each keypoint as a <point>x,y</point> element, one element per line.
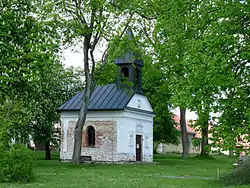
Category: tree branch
<point>92,70</point>
<point>146,33</point>
<point>80,15</point>
<point>104,56</point>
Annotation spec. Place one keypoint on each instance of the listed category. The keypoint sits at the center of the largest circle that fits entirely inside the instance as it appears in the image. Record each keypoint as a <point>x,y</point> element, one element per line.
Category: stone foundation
<point>118,158</point>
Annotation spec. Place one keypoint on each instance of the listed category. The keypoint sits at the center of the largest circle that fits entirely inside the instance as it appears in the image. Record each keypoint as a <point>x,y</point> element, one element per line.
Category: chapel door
<point>138,147</point>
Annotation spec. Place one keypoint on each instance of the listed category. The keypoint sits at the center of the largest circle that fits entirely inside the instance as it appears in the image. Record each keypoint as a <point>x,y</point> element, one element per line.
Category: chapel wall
<point>127,129</point>
<point>115,137</point>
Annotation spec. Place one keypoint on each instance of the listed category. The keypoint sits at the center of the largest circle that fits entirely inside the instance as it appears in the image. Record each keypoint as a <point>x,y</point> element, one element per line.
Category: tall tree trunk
<point>204,133</point>
<point>47,151</point>
<point>204,141</point>
<point>84,108</point>
<point>184,135</point>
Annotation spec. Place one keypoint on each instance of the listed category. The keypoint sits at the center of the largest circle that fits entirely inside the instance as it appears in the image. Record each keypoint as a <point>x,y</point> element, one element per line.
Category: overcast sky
<point>72,58</point>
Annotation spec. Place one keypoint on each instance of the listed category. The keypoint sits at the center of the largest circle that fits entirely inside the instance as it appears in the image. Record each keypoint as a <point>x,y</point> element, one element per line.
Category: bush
<point>240,175</point>
<point>16,164</point>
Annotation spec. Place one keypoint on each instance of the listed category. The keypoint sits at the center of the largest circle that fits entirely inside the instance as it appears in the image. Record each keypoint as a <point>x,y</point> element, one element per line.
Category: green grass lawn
<point>50,174</point>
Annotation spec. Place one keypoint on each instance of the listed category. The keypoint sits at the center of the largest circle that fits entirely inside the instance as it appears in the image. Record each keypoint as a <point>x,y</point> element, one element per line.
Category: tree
<point>172,33</point>
<point>230,52</point>
<point>89,22</point>
<point>55,87</point>
<point>26,43</point>
<point>218,47</point>
<point>33,82</point>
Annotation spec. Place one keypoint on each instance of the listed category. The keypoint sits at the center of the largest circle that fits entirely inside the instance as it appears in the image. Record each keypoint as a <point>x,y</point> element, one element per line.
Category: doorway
<point>138,147</point>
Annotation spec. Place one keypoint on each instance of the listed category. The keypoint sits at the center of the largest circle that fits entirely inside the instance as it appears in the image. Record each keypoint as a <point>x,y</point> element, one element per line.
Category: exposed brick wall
<point>105,141</point>
<point>84,139</point>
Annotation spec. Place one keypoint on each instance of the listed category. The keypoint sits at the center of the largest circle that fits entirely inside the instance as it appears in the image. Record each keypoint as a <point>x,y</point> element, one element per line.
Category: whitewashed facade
<point>115,133</point>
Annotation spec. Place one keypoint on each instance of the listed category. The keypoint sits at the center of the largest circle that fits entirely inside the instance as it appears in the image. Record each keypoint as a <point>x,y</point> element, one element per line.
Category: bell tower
<point>130,71</point>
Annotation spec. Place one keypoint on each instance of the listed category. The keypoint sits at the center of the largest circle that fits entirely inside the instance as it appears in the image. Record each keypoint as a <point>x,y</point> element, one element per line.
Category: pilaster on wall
<point>64,137</point>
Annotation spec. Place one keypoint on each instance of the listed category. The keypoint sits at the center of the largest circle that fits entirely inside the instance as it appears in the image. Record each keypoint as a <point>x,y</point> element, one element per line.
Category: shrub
<point>240,175</point>
<point>16,164</point>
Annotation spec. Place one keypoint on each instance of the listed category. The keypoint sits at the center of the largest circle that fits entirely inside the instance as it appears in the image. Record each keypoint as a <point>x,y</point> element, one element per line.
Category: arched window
<point>91,136</point>
<point>125,72</point>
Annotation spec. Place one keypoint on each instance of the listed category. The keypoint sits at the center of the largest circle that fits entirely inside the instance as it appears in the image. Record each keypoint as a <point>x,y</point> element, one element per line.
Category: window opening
<point>125,72</point>
<point>91,136</point>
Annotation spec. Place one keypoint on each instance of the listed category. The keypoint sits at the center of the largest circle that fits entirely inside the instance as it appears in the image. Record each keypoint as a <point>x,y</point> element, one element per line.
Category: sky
<point>75,59</point>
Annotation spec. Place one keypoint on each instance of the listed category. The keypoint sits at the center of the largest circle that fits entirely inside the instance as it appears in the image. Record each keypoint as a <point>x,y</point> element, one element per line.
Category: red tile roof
<point>190,130</point>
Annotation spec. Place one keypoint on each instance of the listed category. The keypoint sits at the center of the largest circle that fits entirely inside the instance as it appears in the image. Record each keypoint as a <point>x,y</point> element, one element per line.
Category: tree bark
<point>204,141</point>
<point>84,108</point>
<point>184,135</point>
<point>47,151</point>
<point>231,152</point>
<point>204,134</point>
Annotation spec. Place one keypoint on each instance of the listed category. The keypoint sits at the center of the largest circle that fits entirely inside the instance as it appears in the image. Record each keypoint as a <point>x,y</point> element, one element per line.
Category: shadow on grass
<point>40,155</point>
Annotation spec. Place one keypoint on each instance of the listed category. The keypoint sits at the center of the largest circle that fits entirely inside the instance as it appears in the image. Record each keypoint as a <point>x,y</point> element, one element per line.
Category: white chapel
<point>119,124</point>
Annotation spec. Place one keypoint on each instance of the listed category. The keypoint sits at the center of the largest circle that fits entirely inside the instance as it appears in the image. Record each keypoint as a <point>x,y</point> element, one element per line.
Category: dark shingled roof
<point>108,97</point>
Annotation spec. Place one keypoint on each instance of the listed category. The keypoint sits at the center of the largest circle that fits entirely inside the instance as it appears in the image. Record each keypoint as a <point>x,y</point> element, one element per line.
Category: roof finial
<point>130,34</point>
